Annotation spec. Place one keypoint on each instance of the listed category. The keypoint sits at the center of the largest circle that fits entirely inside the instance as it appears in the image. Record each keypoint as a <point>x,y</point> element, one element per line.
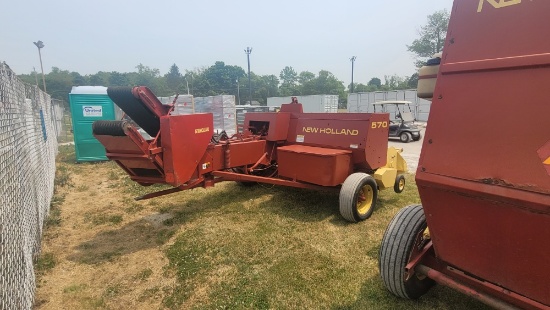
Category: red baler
<point>484,172</point>
<point>328,151</point>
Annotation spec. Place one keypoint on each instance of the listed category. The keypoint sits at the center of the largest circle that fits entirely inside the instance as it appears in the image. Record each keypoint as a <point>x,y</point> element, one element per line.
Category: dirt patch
<point>101,232</point>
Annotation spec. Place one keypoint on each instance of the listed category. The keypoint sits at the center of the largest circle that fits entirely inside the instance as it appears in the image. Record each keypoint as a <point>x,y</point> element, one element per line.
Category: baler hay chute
<point>323,151</point>
<point>484,172</point>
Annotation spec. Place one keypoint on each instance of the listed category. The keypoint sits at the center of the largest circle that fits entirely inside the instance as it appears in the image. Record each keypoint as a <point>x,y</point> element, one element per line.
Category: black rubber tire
<point>398,187</point>
<point>109,128</point>
<point>395,251</point>
<point>418,138</point>
<point>349,194</point>
<point>405,137</point>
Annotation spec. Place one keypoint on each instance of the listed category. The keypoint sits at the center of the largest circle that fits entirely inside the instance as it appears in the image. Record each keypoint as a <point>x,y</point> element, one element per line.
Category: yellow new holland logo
<point>497,4</point>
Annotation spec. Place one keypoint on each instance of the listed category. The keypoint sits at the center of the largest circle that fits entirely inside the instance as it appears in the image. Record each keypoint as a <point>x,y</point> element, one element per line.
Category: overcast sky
<point>309,35</point>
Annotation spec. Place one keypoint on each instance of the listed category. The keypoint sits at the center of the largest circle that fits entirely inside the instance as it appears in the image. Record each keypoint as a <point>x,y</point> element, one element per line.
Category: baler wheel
<point>403,236</point>
<point>399,185</point>
<point>358,197</point>
<point>405,137</point>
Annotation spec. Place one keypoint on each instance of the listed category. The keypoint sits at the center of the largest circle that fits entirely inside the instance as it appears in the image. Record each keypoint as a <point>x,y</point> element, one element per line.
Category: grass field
<point>228,247</point>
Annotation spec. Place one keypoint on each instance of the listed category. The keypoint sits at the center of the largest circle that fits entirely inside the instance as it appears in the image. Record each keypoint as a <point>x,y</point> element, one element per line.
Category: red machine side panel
<point>276,124</point>
<point>184,142</point>
<point>321,166</point>
<point>483,175</point>
<point>365,134</point>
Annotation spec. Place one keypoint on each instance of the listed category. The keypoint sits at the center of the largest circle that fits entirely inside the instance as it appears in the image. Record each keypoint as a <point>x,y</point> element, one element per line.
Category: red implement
<point>483,174</point>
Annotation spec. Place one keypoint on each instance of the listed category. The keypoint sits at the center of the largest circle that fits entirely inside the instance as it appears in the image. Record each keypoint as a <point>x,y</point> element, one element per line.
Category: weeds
<point>62,177</point>
<point>45,262</point>
<point>144,274</point>
<point>54,216</point>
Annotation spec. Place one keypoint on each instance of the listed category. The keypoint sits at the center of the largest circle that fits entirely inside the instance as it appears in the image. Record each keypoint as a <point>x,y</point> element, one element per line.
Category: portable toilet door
<point>89,104</point>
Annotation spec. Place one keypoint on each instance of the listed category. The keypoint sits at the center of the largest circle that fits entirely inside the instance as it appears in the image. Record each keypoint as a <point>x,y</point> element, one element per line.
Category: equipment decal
<point>375,125</point>
<point>202,130</point>
<point>497,4</point>
<point>331,131</point>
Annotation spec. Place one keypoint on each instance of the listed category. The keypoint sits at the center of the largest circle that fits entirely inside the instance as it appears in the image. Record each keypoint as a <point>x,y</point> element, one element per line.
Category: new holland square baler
<point>484,172</point>
<point>324,151</point>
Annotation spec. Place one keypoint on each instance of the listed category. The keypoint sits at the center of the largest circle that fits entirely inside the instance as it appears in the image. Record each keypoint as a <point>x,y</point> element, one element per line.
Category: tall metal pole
<point>352,59</point>
<point>248,50</point>
<point>238,92</point>
<point>40,45</point>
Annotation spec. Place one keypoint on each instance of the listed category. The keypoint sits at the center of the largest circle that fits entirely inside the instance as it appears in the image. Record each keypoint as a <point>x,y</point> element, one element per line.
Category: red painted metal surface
<point>184,141</point>
<point>274,126</point>
<point>365,134</point>
<point>321,166</point>
<point>483,176</point>
<point>230,176</point>
<point>312,150</point>
<point>132,153</point>
<point>443,279</point>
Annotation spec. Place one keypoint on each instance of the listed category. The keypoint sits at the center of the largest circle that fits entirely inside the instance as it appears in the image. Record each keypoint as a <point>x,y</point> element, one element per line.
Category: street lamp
<point>352,59</point>
<point>40,45</point>
<point>248,50</point>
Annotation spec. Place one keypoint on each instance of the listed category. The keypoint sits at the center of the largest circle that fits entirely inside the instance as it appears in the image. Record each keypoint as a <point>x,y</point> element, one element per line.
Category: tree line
<point>221,78</point>
<point>217,79</point>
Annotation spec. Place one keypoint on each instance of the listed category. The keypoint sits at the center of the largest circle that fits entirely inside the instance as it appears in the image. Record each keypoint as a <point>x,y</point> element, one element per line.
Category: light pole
<point>238,92</point>
<point>40,45</point>
<point>352,59</point>
<point>248,50</point>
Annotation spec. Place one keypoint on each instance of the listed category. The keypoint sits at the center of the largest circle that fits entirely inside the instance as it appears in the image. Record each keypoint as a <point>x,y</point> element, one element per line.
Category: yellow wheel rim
<point>401,184</point>
<point>364,201</point>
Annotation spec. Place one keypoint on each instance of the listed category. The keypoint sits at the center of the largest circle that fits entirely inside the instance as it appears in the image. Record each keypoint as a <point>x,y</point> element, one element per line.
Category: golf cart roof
<point>392,102</point>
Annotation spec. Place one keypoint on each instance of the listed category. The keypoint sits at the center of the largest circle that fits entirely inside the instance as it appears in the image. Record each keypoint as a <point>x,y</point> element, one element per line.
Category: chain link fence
<point>28,146</point>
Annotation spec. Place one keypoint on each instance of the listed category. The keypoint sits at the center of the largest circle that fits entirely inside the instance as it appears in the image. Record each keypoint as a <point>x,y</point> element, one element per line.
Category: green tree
<point>272,83</point>
<point>78,80</point>
<point>362,88</point>
<point>59,83</point>
<point>174,80</point>
<point>305,76</point>
<point>376,82</point>
<point>198,85</point>
<point>413,81</point>
<point>432,37</point>
<point>395,82</point>
<point>118,79</point>
<point>151,78</point>
<point>99,79</point>
<point>222,78</point>
<point>289,77</point>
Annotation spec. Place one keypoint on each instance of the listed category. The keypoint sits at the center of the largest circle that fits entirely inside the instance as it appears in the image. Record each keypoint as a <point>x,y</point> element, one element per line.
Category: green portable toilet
<point>89,104</point>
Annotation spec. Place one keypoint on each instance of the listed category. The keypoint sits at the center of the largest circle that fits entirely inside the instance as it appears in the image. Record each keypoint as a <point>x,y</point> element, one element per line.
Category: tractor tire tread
<point>348,194</point>
<point>395,250</point>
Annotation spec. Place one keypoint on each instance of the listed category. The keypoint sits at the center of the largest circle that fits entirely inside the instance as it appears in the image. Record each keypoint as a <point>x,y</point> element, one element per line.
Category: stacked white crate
<point>223,110</point>
<point>185,104</point>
